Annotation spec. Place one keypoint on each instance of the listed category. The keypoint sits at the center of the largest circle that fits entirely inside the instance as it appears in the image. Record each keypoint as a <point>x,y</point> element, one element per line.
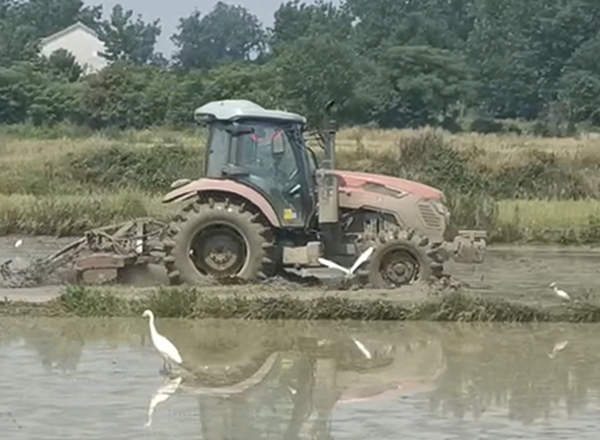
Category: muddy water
<point>91,379</point>
<point>524,272</point>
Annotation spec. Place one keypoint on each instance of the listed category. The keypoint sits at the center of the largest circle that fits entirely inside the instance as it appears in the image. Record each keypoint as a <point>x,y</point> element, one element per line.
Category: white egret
<point>18,243</point>
<point>349,272</point>
<point>165,347</point>
<point>560,293</point>
<point>162,394</point>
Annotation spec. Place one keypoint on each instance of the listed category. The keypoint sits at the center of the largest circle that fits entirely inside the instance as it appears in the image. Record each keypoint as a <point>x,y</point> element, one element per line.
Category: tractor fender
<point>225,186</point>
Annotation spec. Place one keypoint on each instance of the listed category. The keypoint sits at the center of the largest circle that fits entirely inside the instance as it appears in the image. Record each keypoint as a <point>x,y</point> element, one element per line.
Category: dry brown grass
<point>497,151</point>
<point>28,164</point>
<point>36,166</point>
<point>67,215</point>
<point>15,151</point>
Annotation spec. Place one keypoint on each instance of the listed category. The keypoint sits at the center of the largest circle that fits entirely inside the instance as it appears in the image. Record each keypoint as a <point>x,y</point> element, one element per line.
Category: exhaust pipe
<point>328,190</point>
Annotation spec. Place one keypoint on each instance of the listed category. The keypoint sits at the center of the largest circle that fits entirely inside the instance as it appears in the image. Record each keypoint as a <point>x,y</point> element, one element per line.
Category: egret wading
<point>165,347</point>
<point>561,293</point>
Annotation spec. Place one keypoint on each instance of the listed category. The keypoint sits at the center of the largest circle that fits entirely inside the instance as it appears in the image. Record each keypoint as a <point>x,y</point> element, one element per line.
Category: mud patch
<point>20,267</point>
<point>520,274</point>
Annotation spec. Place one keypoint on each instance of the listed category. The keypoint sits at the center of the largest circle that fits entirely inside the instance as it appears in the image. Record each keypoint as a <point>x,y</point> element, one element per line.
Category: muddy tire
<point>403,257</point>
<point>219,239</point>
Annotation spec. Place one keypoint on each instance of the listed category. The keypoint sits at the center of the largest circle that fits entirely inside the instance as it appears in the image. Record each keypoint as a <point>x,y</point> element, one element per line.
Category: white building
<point>82,42</point>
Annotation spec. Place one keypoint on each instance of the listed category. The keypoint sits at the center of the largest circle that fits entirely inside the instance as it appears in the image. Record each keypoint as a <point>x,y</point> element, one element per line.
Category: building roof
<point>233,109</point>
<point>67,30</point>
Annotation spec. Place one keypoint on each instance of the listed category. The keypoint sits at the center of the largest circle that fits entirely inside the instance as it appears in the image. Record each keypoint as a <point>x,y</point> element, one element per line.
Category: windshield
<point>267,156</point>
<point>267,151</point>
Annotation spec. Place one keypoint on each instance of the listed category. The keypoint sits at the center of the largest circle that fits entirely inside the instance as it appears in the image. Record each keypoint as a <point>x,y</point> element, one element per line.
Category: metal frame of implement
<point>99,256</point>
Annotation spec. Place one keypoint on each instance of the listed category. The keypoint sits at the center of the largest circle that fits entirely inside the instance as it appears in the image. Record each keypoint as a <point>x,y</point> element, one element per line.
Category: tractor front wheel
<point>402,257</point>
<point>218,239</point>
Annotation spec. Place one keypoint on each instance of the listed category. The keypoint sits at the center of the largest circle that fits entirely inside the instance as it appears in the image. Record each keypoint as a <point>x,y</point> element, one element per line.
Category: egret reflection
<point>161,395</point>
<point>289,393</point>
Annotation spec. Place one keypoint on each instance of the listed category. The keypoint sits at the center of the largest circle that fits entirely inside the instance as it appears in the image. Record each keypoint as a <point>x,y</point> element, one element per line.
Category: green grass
<point>67,215</point>
<point>194,303</point>
<point>565,221</point>
<point>543,221</point>
<point>555,214</point>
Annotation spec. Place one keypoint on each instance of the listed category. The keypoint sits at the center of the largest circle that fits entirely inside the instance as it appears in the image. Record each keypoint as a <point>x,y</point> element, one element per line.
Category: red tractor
<point>264,204</point>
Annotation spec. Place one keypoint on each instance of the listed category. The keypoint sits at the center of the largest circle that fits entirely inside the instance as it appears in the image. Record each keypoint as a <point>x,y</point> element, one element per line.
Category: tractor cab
<point>265,150</point>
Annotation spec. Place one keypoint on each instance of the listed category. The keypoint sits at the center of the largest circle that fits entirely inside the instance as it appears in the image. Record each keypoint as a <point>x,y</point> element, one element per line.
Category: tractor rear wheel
<point>219,238</point>
<point>402,257</point>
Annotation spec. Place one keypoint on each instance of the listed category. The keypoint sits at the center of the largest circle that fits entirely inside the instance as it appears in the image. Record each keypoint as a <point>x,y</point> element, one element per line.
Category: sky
<point>170,11</point>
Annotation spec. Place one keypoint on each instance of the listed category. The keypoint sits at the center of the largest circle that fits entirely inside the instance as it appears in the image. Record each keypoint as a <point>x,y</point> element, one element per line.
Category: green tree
<point>420,85</point>
<point>505,59</point>
<point>185,97</point>
<point>579,86</point>
<point>259,83</point>
<point>45,17</point>
<point>63,64</point>
<point>227,34</point>
<point>557,30</point>
<point>29,93</point>
<point>521,48</point>
<point>125,95</point>
<point>294,20</point>
<point>315,70</point>
<point>23,23</point>
<point>18,86</point>
<point>128,40</point>
<point>443,24</point>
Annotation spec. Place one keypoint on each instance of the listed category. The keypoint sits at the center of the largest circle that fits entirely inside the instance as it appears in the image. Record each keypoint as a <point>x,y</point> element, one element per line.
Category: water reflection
<point>531,373</point>
<point>250,380</point>
<point>58,348</point>
<point>161,395</point>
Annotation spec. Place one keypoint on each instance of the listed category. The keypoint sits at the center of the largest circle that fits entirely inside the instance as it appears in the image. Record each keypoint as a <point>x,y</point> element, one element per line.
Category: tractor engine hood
<point>349,180</point>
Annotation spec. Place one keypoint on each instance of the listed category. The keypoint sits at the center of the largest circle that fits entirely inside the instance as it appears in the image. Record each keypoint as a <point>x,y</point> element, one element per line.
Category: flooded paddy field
<point>516,273</point>
<point>99,378</point>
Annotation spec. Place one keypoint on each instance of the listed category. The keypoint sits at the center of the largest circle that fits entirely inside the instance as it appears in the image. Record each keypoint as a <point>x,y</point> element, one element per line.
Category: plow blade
<point>99,256</point>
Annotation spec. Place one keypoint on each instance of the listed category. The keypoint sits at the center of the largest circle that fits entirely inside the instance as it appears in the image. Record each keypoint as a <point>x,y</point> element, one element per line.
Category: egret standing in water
<point>165,347</point>
<point>561,293</point>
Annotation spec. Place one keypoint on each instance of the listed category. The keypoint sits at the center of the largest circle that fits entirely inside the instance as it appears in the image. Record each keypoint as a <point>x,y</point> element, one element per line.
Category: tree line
<point>387,63</point>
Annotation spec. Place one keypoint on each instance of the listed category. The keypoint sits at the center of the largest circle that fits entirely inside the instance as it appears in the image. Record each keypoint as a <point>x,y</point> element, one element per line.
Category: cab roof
<point>237,109</point>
